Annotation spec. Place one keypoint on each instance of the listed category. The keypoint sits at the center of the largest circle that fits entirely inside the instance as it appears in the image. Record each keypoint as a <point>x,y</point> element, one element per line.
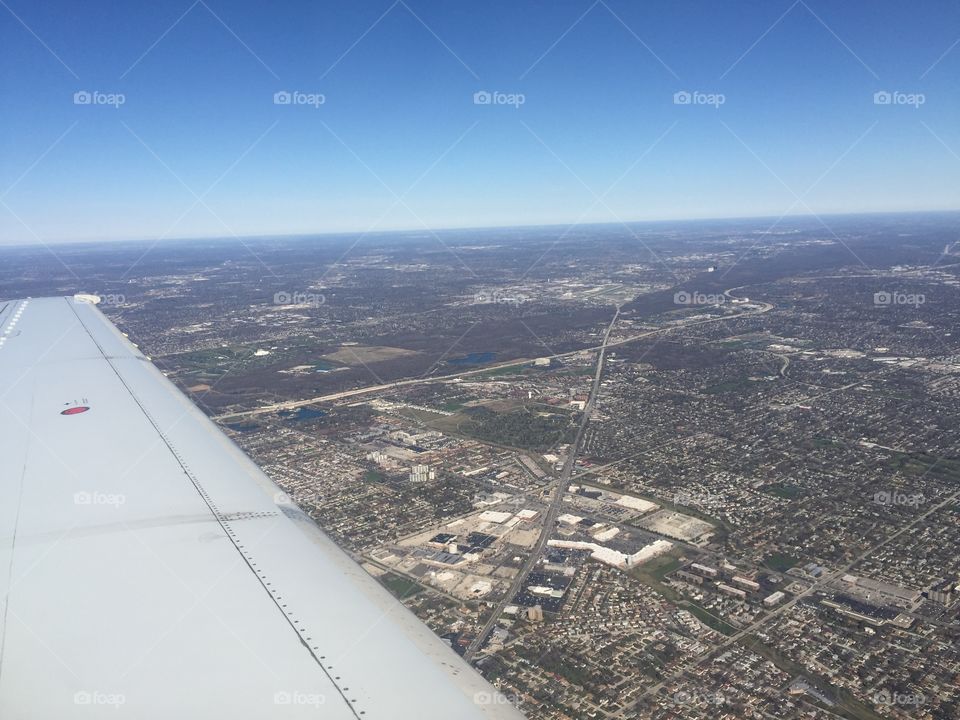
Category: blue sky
<point>199,147</point>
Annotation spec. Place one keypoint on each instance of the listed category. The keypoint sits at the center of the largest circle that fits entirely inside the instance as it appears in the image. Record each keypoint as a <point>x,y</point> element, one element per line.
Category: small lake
<point>303,413</point>
<point>322,366</point>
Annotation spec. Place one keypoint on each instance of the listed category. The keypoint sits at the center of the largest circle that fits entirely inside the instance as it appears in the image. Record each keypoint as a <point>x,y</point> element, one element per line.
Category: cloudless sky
<point>199,148</point>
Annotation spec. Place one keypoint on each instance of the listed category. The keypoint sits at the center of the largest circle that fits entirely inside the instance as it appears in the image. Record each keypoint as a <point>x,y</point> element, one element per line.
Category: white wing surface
<point>148,569</point>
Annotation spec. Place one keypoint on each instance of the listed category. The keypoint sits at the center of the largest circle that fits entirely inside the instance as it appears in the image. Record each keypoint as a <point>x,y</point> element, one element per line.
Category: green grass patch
<point>400,586</point>
<point>525,428</point>
<point>782,490</point>
<point>781,562</point>
<point>652,573</point>
<point>496,372</point>
<point>374,476</point>
<point>822,442</point>
<point>708,618</point>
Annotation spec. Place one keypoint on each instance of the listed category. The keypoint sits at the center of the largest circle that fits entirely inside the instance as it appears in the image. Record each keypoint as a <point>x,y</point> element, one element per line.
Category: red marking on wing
<point>75,410</point>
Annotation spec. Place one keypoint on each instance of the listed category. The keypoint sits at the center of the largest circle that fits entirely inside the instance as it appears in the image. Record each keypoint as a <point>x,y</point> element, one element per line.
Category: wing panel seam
<point>224,524</point>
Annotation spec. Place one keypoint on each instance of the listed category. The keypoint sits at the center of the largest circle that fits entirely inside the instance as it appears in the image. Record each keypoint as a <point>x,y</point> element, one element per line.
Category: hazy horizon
<point>775,228</point>
<point>236,119</point>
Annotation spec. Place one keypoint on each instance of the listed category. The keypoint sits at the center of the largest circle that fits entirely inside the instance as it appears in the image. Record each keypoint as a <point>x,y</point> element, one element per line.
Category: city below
<point>662,470</point>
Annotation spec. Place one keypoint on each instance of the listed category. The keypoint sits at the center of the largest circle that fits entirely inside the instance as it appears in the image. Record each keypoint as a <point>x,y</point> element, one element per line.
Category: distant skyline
<point>213,119</point>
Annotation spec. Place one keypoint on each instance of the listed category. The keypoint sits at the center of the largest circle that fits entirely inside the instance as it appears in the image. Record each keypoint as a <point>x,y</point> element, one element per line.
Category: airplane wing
<point>148,569</point>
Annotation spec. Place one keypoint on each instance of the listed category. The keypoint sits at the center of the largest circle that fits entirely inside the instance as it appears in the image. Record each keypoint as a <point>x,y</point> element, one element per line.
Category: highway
<point>557,489</point>
<point>559,485</point>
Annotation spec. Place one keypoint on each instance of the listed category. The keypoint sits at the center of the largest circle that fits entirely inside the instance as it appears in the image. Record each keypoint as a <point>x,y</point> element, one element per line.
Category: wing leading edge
<point>147,566</point>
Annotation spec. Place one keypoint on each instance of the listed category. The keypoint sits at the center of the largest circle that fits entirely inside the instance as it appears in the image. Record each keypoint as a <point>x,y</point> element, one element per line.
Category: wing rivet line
<point>223,520</point>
